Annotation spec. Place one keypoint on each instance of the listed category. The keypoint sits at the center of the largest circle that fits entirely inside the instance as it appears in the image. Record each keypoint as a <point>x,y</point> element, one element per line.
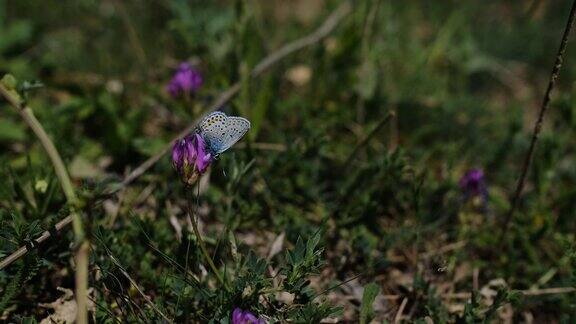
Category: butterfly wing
<point>221,132</point>
<point>210,129</point>
<point>235,129</point>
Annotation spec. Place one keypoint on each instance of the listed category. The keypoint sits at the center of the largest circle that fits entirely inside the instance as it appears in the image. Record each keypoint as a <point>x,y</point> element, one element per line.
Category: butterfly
<point>220,132</point>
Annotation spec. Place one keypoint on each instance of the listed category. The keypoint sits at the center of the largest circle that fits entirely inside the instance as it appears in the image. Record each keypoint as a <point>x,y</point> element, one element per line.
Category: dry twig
<point>540,120</point>
<point>398,316</point>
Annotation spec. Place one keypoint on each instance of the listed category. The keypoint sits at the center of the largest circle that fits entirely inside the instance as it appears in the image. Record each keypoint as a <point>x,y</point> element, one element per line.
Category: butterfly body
<point>220,132</point>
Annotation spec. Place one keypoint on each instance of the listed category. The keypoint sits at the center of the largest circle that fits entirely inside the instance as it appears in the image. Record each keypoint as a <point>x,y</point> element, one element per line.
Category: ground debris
<point>65,307</point>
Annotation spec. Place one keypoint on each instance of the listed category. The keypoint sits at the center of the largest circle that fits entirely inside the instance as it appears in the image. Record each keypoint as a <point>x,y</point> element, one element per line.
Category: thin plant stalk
<point>82,244</point>
<point>540,121</point>
<point>194,222</point>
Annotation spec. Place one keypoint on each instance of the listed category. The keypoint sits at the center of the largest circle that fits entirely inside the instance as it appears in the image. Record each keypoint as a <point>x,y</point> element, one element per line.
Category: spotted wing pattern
<point>221,132</point>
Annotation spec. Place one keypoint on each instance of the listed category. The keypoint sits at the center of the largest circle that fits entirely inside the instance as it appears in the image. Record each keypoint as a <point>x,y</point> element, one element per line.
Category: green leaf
<point>367,79</point>
<point>11,132</point>
<point>259,107</point>
<point>371,290</point>
<point>16,33</point>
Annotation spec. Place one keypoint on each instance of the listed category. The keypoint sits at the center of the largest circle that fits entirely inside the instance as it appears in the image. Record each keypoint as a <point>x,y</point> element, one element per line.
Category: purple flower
<point>245,317</point>
<point>190,157</point>
<point>203,157</point>
<point>473,184</point>
<point>185,81</point>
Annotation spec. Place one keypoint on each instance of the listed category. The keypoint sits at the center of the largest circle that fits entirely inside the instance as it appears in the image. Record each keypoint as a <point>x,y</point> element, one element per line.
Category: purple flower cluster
<point>186,81</point>
<point>190,157</point>
<point>245,317</point>
<point>473,184</point>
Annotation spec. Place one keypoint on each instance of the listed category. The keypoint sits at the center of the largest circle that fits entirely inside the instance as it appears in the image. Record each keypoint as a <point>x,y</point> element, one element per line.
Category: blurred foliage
<point>464,79</point>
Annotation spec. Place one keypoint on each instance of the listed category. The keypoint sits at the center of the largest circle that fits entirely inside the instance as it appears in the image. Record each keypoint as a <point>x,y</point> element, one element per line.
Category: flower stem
<point>81,243</point>
<point>194,222</point>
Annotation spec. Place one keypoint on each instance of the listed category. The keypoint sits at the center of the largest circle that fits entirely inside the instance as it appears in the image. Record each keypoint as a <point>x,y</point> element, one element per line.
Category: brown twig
<point>323,31</point>
<point>398,316</point>
<point>527,292</point>
<point>540,120</point>
<point>22,250</point>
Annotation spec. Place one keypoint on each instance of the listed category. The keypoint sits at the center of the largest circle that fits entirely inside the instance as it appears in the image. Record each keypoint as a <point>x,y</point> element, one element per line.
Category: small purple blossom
<point>186,81</point>
<point>473,184</point>
<point>190,157</point>
<point>183,152</point>
<point>245,317</point>
<point>203,157</point>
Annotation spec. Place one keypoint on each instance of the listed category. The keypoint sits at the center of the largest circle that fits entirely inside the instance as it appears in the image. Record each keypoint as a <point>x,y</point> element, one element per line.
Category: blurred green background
<point>464,78</point>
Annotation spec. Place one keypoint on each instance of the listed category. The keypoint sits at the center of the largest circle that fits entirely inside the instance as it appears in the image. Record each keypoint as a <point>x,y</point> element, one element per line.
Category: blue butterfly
<point>220,132</point>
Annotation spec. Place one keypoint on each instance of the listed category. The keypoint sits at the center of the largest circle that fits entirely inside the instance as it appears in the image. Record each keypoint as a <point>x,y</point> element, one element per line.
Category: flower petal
<point>185,80</point>
<point>237,316</point>
<point>204,158</point>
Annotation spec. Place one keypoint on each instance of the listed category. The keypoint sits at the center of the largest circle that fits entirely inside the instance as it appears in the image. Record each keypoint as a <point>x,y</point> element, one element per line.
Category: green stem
<point>82,245</point>
<point>201,241</point>
<point>59,168</point>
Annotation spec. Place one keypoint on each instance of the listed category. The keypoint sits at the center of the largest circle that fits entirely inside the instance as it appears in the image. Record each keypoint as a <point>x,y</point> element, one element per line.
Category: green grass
<point>464,78</point>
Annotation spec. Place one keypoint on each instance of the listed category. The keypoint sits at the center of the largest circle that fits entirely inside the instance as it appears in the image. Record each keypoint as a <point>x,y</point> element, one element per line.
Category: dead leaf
<point>490,290</point>
<point>277,245</point>
<point>462,272</point>
<point>111,208</point>
<point>177,227</point>
<point>285,297</point>
<point>299,75</point>
<point>65,307</point>
<point>81,168</point>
